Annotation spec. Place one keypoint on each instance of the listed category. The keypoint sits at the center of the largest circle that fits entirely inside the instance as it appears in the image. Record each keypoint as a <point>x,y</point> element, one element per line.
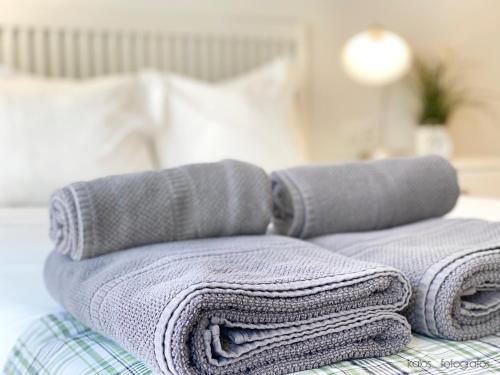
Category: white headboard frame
<point>211,51</point>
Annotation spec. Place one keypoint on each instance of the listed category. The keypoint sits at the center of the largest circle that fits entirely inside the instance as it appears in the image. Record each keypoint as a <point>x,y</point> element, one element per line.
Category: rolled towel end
<point>65,228</point>
<point>287,207</point>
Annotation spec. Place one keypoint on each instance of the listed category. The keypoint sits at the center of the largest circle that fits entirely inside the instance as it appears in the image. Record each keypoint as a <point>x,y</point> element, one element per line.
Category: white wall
<point>343,112</point>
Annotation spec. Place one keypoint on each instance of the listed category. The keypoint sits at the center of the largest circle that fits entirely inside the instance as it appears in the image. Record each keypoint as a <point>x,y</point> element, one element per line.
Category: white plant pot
<point>433,139</point>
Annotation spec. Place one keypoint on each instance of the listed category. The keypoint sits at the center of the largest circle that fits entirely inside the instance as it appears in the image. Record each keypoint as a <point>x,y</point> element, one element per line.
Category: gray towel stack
<point>188,304</point>
<point>236,305</point>
<point>315,200</point>
<point>200,200</point>
<point>453,265</point>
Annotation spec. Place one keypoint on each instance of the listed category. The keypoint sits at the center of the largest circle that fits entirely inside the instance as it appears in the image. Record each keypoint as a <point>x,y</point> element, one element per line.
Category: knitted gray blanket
<point>452,264</point>
<point>312,201</point>
<point>235,305</point>
<point>194,201</point>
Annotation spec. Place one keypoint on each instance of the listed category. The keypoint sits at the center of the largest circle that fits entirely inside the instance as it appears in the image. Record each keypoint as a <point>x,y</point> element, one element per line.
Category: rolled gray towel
<point>257,305</point>
<point>200,200</point>
<point>452,264</point>
<point>310,201</point>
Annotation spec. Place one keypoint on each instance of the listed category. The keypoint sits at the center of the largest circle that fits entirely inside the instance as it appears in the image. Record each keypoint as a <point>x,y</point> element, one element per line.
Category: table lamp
<point>377,57</point>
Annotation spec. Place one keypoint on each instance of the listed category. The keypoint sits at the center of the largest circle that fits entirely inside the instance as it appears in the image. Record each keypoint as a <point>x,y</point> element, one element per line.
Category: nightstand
<point>479,176</point>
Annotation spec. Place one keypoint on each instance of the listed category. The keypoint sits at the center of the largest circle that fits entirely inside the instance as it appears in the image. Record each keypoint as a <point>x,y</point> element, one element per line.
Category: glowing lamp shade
<point>376,57</point>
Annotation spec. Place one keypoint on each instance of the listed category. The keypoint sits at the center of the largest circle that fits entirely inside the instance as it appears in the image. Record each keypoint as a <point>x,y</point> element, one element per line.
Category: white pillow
<point>56,132</point>
<point>250,118</point>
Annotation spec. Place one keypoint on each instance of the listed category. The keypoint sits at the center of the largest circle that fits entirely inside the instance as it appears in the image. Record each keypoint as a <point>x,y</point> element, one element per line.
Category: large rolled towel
<point>452,264</point>
<point>200,200</point>
<point>236,305</point>
<point>315,200</point>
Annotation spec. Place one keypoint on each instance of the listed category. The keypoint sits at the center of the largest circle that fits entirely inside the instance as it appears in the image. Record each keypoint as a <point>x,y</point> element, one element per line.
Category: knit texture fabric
<point>236,305</point>
<point>453,266</point>
<point>200,200</point>
<point>311,201</point>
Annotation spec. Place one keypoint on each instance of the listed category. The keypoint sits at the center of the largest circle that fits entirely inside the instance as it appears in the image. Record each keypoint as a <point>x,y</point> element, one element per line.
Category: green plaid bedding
<point>59,345</point>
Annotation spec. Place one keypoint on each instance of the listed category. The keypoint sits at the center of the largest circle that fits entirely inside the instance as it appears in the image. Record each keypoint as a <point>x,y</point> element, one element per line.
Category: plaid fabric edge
<point>57,344</point>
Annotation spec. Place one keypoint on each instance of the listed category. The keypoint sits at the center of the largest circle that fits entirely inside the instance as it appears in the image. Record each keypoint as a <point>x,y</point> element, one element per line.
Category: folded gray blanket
<point>200,200</point>
<point>235,305</point>
<point>312,201</point>
<point>452,264</point>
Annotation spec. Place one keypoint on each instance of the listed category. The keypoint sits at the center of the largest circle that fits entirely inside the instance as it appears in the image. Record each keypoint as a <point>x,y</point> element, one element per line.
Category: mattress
<point>24,245</point>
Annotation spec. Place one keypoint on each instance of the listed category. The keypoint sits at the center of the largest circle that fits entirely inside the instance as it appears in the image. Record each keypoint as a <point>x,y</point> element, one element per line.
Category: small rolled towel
<point>92,218</point>
<point>452,264</point>
<point>315,200</point>
<point>260,305</point>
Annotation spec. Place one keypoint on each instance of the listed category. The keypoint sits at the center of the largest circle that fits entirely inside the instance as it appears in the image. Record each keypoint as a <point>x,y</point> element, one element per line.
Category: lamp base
<point>383,153</point>
<point>375,154</point>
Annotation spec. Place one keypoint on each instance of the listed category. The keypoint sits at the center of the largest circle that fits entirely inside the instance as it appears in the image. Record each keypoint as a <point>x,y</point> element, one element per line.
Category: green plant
<point>439,93</point>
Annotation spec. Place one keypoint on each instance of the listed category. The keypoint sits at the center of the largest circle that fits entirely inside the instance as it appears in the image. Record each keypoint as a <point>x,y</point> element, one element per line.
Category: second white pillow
<point>250,118</point>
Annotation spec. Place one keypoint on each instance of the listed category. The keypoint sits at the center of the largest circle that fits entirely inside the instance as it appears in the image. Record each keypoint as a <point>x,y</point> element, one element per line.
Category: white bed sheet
<point>24,244</point>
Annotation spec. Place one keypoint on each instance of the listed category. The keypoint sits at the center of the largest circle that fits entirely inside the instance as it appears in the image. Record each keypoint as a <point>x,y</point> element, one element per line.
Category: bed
<point>37,335</point>
<point>33,321</point>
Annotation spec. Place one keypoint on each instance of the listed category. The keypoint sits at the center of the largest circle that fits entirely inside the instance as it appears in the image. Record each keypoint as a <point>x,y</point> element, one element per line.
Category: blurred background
<point>275,82</point>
